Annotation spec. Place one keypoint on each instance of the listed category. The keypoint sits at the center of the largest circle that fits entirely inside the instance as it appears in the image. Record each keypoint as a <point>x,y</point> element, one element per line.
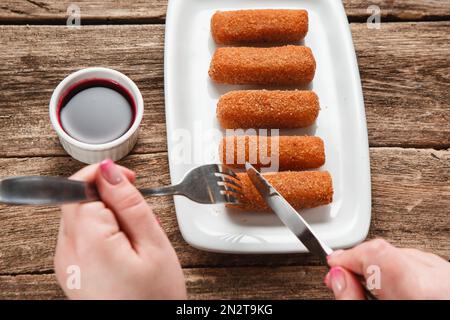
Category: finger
<point>95,225</point>
<point>344,284</point>
<point>87,174</point>
<point>134,215</point>
<point>359,258</point>
<point>92,220</point>
<point>87,220</point>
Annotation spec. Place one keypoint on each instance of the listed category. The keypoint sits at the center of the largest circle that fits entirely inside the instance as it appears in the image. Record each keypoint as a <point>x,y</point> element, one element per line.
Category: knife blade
<point>288,215</point>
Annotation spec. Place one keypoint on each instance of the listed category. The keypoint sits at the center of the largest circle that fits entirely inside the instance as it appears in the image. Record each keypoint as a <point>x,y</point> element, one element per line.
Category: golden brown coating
<point>287,65</point>
<point>289,152</point>
<point>267,109</point>
<point>302,189</point>
<point>259,26</point>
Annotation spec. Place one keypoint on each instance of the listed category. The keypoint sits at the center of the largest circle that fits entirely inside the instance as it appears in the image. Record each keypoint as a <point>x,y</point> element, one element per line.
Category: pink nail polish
<point>337,279</point>
<point>110,172</point>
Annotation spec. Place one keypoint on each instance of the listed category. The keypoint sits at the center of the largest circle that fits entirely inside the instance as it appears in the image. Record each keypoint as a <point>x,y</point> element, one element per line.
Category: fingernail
<point>334,254</point>
<point>110,172</point>
<point>337,279</point>
<point>158,220</point>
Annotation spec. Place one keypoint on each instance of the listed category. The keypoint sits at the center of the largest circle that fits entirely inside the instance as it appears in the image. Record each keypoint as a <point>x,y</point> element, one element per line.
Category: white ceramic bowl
<point>93,153</point>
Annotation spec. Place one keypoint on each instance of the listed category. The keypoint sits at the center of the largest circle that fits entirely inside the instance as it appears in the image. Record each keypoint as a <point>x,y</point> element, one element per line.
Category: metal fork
<point>208,184</point>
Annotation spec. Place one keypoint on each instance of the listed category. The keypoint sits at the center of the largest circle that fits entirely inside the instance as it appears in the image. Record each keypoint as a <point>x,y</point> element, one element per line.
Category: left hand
<point>117,245</point>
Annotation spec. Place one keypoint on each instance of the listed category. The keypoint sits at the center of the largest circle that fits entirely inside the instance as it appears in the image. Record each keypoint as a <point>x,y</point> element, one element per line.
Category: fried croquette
<point>259,26</point>
<point>287,152</point>
<point>302,189</point>
<point>267,109</point>
<point>286,65</point>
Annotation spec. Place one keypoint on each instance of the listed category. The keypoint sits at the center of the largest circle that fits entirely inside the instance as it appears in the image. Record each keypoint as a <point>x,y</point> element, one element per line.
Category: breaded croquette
<point>267,109</point>
<point>288,152</point>
<point>302,189</point>
<point>259,26</point>
<point>287,65</point>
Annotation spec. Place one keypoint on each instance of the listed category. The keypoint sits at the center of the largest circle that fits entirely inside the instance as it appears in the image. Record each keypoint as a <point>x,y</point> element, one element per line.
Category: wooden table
<point>404,67</point>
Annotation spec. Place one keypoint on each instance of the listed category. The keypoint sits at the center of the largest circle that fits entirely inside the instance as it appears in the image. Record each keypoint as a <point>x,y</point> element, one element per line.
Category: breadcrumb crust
<point>267,109</point>
<point>259,26</point>
<point>291,152</point>
<point>286,65</point>
<point>302,189</point>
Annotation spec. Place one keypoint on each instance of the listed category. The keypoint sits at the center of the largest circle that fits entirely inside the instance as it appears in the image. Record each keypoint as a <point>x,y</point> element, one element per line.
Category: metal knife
<point>288,215</point>
<point>293,220</point>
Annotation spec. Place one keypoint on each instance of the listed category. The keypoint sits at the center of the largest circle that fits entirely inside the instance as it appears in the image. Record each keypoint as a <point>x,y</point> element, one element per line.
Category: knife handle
<point>40,190</point>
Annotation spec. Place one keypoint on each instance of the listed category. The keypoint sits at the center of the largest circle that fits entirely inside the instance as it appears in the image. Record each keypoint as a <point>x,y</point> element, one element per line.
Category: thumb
<point>134,215</point>
<point>344,284</point>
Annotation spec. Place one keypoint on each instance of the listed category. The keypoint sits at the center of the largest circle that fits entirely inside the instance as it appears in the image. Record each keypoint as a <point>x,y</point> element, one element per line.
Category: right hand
<point>405,273</point>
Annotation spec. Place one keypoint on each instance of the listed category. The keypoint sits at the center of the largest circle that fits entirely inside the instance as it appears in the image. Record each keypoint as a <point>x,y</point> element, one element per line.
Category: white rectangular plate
<point>193,133</point>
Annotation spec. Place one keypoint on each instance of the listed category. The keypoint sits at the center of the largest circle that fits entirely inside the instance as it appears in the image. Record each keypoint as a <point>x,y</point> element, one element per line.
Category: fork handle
<point>161,191</point>
<point>40,190</point>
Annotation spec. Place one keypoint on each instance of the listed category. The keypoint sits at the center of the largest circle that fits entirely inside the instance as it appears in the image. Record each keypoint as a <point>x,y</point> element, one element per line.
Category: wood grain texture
<point>92,11</point>
<point>154,11</point>
<point>30,71</point>
<point>394,10</point>
<point>257,283</point>
<point>405,72</point>
<point>31,287</point>
<point>404,69</point>
<point>410,192</point>
<point>205,283</point>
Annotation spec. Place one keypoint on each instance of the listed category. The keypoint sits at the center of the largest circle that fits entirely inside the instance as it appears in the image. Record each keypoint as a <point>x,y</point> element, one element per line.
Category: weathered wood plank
<point>36,59</point>
<point>411,198</point>
<point>204,283</point>
<point>31,287</point>
<point>404,69</point>
<point>406,10</point>
<point>410,192</point>
<point>110,11</point>
<point>257,283</point>
<point>405,75</point>
<point>92,11</point>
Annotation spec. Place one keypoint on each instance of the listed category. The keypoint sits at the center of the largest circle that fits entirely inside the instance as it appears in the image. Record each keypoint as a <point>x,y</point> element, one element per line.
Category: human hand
<point>117,243</point>
<point>405,273</point>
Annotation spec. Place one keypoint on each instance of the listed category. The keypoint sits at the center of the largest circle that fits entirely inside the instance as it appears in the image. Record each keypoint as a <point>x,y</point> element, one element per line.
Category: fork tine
<point>229,188</point>
<point>226,170</point>
<point>225,177</point>
<point>231,197</point>
<point>210,184</point>
<point>230,182</point>
<point>232,200</point>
